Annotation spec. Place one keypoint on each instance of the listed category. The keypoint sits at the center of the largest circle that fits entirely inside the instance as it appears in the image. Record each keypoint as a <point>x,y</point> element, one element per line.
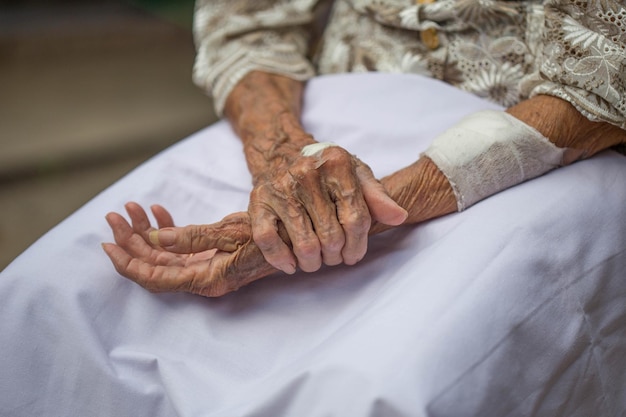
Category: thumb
<point>382,207</point>
<point>197,238</point>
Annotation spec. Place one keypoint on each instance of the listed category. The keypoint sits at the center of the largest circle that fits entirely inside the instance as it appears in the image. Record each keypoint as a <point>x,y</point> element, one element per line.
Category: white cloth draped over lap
<point>515,307</point>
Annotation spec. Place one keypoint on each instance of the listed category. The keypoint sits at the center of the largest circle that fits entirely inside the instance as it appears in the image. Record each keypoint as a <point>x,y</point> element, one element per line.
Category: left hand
<point>567,128</point>
<point>215,259</point>
<point>209,260</point>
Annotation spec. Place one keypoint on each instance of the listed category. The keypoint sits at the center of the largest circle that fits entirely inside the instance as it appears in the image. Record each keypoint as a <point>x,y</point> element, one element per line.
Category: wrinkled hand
<point>327,203</point>
<point>209,260</point>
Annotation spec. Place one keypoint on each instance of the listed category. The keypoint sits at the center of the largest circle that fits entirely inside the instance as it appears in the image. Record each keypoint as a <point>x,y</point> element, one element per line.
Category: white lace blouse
<point>505,51</point>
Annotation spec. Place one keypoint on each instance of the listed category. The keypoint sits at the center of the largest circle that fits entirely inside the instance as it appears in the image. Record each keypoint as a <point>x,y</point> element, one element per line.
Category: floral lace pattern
<point>504,51</point>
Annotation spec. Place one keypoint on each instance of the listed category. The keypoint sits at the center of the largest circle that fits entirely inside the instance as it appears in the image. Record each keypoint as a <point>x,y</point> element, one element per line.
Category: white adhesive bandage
<point>490,151</point>
<point>315,149</point>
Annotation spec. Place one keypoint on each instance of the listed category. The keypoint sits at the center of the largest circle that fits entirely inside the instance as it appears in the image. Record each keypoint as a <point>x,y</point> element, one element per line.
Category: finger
<point>225,235</point>
<point>151,277</point>
<point>352,211</point>
<point>305,243</point>
<point>196,238</point>
<point>382,207</point>
<point>162,216</point>
<point>323,214</point>
<point>264,224</point>
<point>122,231</point>
<point>139,220</point>
<point>127,238</point>
<point>134,243</point>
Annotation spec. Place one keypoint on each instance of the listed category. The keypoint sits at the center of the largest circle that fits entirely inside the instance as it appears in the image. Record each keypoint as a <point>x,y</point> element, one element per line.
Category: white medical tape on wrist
<point>490,151</point>
<point>315,149</point>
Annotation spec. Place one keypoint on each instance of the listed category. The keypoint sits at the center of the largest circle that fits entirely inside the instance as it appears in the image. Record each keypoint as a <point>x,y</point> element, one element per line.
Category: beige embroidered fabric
<point>504,51</point>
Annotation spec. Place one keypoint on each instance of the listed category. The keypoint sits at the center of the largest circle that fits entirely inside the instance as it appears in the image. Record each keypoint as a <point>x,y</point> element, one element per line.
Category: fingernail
<point>162,237</point>
<point>288,269</point>
<point>154,237</point>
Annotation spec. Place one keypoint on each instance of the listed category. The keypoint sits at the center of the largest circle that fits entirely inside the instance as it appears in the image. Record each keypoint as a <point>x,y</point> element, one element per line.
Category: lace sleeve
<point>234,37</point>
<point>583,58</point>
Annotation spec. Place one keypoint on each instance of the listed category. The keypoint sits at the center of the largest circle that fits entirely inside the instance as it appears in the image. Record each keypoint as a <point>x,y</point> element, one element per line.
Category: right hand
<point>326,203</point>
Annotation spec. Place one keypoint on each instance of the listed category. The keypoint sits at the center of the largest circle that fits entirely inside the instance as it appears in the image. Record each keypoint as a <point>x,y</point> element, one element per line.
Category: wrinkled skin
<point>326,202</point>
<point>212,260</point>
<point>209,260</point>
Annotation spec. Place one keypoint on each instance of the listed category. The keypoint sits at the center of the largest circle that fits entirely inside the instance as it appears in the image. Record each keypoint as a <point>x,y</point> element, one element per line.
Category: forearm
<point>264,110</point>
<point>422,190</point>
<point>564,126</point>
<point>425,192</point>
<point>234,37</point>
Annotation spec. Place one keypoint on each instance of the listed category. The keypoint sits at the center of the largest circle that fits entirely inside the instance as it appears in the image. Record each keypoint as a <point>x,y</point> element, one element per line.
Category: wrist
<point>490,151</point>
<point>264,110</point>
<point>274,146</point>
<point>422,190</point>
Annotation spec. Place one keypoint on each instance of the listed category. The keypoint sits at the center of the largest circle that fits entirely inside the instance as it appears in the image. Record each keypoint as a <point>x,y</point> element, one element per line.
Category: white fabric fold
<point>515,307</point>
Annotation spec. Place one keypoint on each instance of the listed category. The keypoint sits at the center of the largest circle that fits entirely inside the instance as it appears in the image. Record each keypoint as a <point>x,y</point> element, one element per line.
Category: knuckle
<point>256,193</point>
<point>337,152</point>
<point>356,222</point>
<point>259,196</point>
<point>190,238</point>
<point>336,157</point>
<point>265,239</point>
<point>196,238</point>
<point>304,173</point>
<point>307,249</point>
<point>268,190</point>
<point>332,239</point>
<point>349,195</point>
<point>263,208</point>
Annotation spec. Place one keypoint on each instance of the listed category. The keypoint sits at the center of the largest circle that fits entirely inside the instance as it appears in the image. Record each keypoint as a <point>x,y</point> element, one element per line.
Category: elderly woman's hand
<point>326,202</point>
<point>215,259</point>
<point>209,260</point>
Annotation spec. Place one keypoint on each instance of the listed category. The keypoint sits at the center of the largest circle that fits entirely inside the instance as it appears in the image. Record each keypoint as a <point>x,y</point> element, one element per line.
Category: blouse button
<point>429,36</point>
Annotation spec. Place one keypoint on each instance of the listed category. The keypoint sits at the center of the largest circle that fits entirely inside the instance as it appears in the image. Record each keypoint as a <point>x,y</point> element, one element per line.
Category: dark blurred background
<point>88,90</point>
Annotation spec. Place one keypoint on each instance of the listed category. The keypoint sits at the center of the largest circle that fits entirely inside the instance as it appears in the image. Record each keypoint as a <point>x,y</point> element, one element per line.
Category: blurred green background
<point>178,12</point>
<point>88,90</point>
